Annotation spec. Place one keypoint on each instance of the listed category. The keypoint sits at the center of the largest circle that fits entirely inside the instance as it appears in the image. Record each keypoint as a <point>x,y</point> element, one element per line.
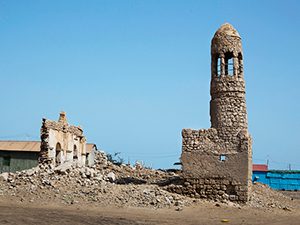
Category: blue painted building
<point>288,180</point>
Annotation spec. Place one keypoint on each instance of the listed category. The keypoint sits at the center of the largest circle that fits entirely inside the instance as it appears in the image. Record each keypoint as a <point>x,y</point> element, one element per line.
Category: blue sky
<point>134,73</point>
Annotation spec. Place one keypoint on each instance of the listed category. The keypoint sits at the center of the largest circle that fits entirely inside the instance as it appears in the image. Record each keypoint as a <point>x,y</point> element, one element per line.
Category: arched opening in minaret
<point>218,66</point>
<point>229,70</point>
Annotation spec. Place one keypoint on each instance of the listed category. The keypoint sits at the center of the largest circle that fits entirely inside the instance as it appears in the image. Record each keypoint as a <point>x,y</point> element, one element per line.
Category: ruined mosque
<point>217,162</point>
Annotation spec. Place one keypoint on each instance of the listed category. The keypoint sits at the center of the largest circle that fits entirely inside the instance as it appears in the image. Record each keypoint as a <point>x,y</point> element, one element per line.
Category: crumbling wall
<point>212,169</point>
<point>61,142</point>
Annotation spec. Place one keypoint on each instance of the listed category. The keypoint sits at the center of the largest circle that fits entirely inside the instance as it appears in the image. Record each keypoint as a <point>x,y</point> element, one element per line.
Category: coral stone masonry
<point>217,162</point>
<point>61,142</point>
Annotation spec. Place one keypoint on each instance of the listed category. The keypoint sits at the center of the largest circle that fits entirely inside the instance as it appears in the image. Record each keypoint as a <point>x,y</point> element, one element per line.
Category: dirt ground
<point>202,213</point>
<point>45,196</point>
<point>292,194</point>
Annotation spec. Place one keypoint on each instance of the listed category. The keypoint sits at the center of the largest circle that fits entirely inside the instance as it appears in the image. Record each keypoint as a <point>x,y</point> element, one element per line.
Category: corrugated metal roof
<point>28,146</point>
<point>260,167</point>
<point>285,171</point>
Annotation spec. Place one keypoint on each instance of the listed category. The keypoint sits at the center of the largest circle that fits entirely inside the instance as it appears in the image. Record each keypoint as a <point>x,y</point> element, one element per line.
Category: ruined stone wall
<point>217,162</point>
<point>61,142</point>
<point>45,148</point>
<point>212,169</point>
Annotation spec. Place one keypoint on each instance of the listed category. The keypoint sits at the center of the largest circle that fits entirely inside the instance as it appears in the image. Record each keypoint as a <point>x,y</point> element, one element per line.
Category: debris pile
<point>263,196</point>
<point>119,185</point>
<point>103,183</point>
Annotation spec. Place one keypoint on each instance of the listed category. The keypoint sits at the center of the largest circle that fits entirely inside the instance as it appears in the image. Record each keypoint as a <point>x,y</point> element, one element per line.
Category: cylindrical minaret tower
<point>228,105</point>
<point>222,155</point>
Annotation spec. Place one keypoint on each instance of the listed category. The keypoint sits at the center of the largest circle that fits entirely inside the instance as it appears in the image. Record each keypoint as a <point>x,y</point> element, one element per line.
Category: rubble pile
<point>263,196</point>
<point>125,174</point>
<point>103,183</point>
<point>119,185</point>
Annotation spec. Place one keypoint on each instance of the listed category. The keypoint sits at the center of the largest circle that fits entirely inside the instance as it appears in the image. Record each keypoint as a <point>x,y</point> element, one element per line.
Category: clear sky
<point>134,73</point>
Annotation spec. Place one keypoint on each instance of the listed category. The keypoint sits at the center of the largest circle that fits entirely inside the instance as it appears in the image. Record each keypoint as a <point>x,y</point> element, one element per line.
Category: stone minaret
<point>228,105</point>
<point>217,162</point>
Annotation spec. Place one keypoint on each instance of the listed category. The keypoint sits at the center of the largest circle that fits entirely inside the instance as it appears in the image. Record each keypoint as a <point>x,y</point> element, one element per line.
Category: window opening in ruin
<point>6,161</point>
<point>222,158</point>
<point>75,153</point>
<point>58,153</point>
<point>219,67</point>
<point>229,64</point>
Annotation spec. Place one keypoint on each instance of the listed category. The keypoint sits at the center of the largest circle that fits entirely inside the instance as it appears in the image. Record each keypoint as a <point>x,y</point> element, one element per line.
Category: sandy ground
<point>203,213</point>
<point>46,197</point>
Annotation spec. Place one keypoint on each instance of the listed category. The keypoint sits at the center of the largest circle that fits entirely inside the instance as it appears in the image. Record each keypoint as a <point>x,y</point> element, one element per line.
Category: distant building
<point>18,155</point>
<point>22,155</point>
<point>260,168</point>
<point>288,180</point>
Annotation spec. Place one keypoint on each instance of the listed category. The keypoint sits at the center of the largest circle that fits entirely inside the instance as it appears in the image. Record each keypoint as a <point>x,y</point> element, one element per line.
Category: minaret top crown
<point>226,30</point>
<point>226,39</point>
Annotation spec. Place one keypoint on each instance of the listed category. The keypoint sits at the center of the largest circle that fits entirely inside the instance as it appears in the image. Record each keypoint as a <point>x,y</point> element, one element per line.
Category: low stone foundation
<point>218,189</point>
<point>214,168</point>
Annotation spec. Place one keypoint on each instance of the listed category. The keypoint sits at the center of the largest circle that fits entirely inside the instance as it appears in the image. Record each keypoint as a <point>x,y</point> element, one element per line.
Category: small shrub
<point>115,158</point>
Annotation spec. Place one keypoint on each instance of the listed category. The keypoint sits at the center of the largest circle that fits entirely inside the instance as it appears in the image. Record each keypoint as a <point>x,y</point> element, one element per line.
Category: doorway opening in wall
<point>75,152</point>
<point>58,152</point>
